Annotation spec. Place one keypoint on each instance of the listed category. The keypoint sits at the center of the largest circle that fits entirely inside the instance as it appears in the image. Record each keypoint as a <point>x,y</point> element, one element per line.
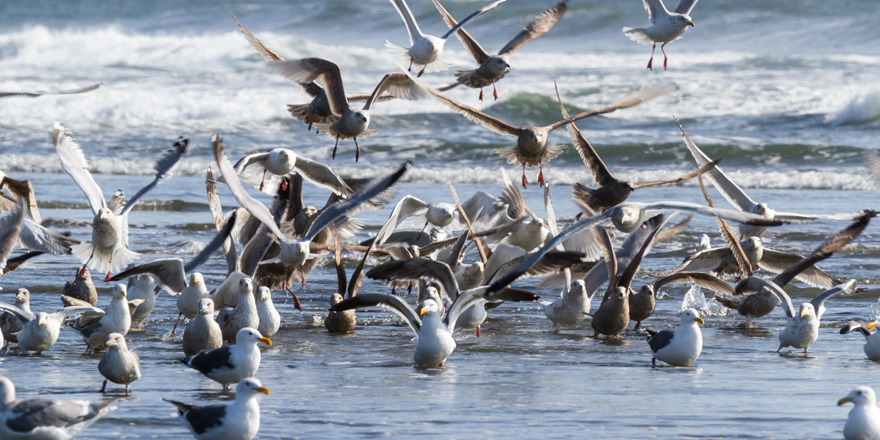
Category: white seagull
<point>240,420</point>
<point>863,422</point>
<point>424,51</point>
<point>679,347</point>
<point>872,337</point>
<point>666,26</point>
<point>280,162</point>
<point>231,364</point>
<point>802,328</point>
<point>41,330</point>
<point>41,418</point>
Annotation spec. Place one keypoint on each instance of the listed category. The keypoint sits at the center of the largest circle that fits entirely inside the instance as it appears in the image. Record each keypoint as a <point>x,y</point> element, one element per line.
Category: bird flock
<point>446,274</point>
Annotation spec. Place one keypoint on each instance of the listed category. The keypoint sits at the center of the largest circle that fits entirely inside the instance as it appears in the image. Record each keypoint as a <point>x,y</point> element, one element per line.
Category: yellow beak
<point>266,341</point>
<point>195,279</point>
<point>844,400</point>
<point>871,325</point>
<point>41,322</point>
<point>700,320</point>
<point>692,24</point>
<point>803,313</point>
<point>423,311</point>
<point>263,390</point>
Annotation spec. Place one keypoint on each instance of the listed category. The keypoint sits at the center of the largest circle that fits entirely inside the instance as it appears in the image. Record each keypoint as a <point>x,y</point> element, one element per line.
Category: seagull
<point>351,123</point>
<point>17,229</point>
<point>239,420</point>
<point>318,111</point>
<point>19,189</point>
<point>142,287</point>
<point>231,364</point>
<point>570,308</point>
<point>738,198</point>
<point>243,315</point>
<point>611,191</point>
<point>11,323</point>
<point>95,328</point>
<point>41,418</point>
<point>802,328</point>
<point>494,67</point>
<point>294,253</point>
<point>280,162</point>
<point>679,347</point>
<point>437,214</point>
<point>119,364</point>
<point>704,244</point>
<point>35,94</point>
<point>270,320</point>
<point>81,288</point>
<point>203,332</point>
<point>666,26</point>
<point>863,422</point>
<point>110,226</point>
<point>425,50</point>
<point>531,142</point>
<point>41,330</point>
<point>872,340</point>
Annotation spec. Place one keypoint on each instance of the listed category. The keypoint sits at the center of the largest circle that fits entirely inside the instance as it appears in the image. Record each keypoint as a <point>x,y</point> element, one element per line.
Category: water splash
<point>694,299</point>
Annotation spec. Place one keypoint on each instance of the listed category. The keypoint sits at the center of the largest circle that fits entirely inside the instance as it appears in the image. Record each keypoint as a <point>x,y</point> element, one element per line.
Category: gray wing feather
<point>37,238</point>
<point>537,28</point>
<point>419,268</point>
<point>321,175</point>
<point>819,301</point>
<point>685,7</point>
<point>10,230</point>
<point>479,13</point>
<point>21,314</point>
<point>701,279</point>
<point>212,246</point>
<point>74,162</point>
<point>390,302</point>
<point>169,271</point>
<point>164,168</point>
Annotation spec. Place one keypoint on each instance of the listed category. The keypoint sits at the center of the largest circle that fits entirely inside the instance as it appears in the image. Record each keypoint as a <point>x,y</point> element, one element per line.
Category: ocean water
<point>788,95</point>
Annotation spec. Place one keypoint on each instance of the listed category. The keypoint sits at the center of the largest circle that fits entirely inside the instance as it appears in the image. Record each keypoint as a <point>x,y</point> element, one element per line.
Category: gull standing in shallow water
<point>863,422</point>
<point>231,364</point>
<point>679,347</point>
<point>666,26</point>
<point>202,333</point>
<point>40,418</point>
<point>95,328</point>
<point>119,364</point>
<point>108,251</point>
<point>802,328</point>
<point>40,331</point>
<point>425,49</point>
<point>494,67</point>
<point>240,420</point>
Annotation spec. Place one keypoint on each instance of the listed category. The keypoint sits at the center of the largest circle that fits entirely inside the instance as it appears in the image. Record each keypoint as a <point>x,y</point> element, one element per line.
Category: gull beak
<point>266,341</point>
<point>803,313</point>
<point>545,226</point>
<point>844,400</point>
<point>195,279</point>
<point>101,216</point>
<point>871,325</point>
<point>41,322</point>
<point>423,311</point>
<point>700,320</point>
<point>692,24</point>
<point>263,390</point>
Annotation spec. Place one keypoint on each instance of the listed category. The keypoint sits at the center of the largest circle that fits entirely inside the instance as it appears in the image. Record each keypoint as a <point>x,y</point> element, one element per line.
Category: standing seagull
<point>351,123</point>
<point>41,330</point>
<point>240,420</point>
<point>531,142</point>
<point>425,49</point>
<point>231,364</point>
<point>95,328</point>
<point>203,333</point>
<point>802,328</point>
<point>494,67</point>
<point>119,364</point>
<point>680,347</point>
<point>41,418</point>
<point>666,26</point>
<point>863,422</point>
<point>110,226</point>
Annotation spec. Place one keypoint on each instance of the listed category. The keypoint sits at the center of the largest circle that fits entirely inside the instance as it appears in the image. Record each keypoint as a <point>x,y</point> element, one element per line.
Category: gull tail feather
<point>304,113</point>
<point>638,35</point>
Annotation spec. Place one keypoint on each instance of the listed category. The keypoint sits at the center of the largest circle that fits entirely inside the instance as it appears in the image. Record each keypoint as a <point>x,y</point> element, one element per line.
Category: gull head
<point>430,307</point>
<point>752,243</point>
<point>860,395</point>
<point>690,315</point>
<point>119,291</point>
<point>498,65</point>
<point>22,296</point>
<point>281,155</point>
<point>116,339</point>
<point>440,215</point>
<point>626,217</point>
<point>7,391</point>
<point>206,307</point>
<point>43,319</point>
<point>250,387</point>
<point>245,286</point>
<point>294,253</point>
<point>265,294</point>
<point>647,289</point>
<point>250,335</point>
<point>807,311</point>
<point>704,242</point>
<point>762,209</point>
<point>197,279</point>
<point>683,20</point>
<point>104,215</point>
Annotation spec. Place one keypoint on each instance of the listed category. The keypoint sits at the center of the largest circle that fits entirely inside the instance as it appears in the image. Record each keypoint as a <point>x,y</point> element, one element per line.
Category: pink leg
<point>334,147</point>
<point>296,304</point>
<point>262,180</point>
<point>109,272</point>
<point>663,49</point>
<point>651,61</point>
<point>494,91</point>
<point>357,153</point>
<point>525,181</point>
<point>541,176</point>
<point>481,93</point>
<point>83,270</point>
<point>174,330</point>
<point>478,331</point>
<point>422,231</point>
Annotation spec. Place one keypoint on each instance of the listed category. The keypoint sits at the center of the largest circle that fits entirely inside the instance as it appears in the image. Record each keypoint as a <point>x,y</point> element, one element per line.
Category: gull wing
<point>399,86</point>
<point>654,224</point>
<point>414,269</point>
<point>470,44</point>
<point>655,9</point>
<point>818,302</point>
<point>21,314</point>
<point>685,7</point>
<point>321,175</point>
<point>591,159</point>
<point>474,15</point>
<point>20,188</point>
<point>537,28</point>
<point>688,176</point>
<point>736,216</point>
<point>74,162</point>
<point>169,271</point>
<point>641,95</point>
<point>731,191</point>
<point>213,245</point>
<point>10,230</point>
<point>164,168</point>
<point>363,195</point>
<point>701,279</point>
<point>307,70</point>
<point>407,206</point>
<point>777,262</point>
<point>390,302</point>
<point>35,94</point>
<point>408,19</point>
<point>37,238</point>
